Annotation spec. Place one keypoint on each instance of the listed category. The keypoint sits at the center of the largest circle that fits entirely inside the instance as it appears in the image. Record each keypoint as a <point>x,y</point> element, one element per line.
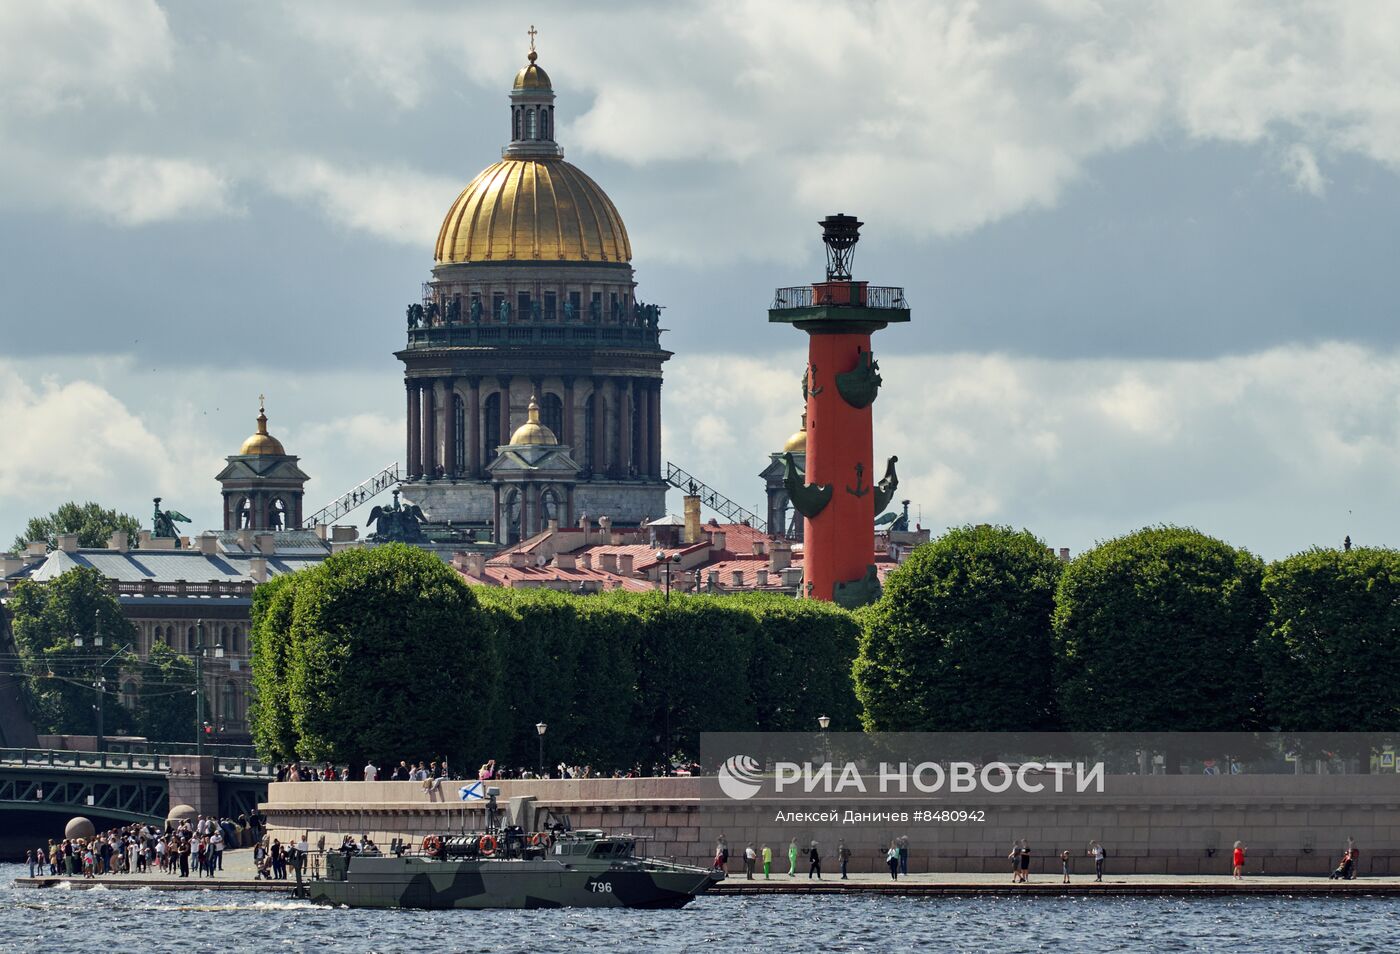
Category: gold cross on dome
<point>532,32</point>
<point>262,403</point>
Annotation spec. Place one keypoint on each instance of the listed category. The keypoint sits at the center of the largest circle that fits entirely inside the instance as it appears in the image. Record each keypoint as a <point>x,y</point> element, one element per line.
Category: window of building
<point>529,124</point>
<point>612,307</point>
<point>498,299</point>
<point>552,414</point>
<point>576,303</point>
<point>517,124</point>
<point>229,709</point>
<point>522,305</point>
<point>595,307</point>
<point>277,515</point>
<point>549,306</point>
<point>491,426</point>
<point>190,640</point>
<point>235,641</point>
<point>245,514</point>
<point>544,123</point>
<point>129,695</point>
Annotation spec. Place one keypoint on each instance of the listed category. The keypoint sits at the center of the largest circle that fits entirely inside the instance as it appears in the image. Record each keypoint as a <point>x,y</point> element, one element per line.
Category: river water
<point>196,921</point>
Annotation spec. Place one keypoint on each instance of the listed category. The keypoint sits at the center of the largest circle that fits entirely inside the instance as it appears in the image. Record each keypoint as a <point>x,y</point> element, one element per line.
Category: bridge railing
<point>154,762</point>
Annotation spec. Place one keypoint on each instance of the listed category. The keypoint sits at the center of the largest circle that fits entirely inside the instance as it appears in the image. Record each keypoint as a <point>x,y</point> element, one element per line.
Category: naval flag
<point>471,792</point>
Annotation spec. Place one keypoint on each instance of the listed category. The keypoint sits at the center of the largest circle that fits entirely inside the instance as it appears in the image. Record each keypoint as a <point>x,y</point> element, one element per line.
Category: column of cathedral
<point>624,426</point>
<point>474,420</point>
<point>654,396</point>
<point>600,428</point>
<point>429,431</point>
<point>415,434</point>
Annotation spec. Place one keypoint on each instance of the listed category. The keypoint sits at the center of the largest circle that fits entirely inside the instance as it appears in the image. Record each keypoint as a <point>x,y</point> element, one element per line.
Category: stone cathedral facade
<point>533,301</point>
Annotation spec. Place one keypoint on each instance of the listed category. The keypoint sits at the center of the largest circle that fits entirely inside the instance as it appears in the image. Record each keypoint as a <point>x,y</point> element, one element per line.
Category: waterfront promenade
<point>238,876</point>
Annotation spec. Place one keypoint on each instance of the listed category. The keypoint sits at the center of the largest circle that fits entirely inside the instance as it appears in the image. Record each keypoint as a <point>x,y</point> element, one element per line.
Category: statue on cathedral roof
<point>396,523</point>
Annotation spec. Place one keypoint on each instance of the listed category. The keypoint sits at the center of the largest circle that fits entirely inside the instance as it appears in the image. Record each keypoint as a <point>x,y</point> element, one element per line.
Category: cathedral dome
<point>262,444</point>
<point>532,206</point>
<point>797,443</point>
<point>532,76</point>
<point>533,210</point>
<point>532,431</point>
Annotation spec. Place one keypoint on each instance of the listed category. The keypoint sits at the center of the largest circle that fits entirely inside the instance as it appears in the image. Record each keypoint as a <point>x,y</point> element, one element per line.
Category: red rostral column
<point>840,494</point>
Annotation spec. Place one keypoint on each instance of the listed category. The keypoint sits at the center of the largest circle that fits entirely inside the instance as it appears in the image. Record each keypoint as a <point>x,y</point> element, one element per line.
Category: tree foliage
<point>1158,631</point>
<point>269,645</point>
<point>619,679</point>
<point>960,640</point>
<point>385,655</point>
<point>46,616</point>
<point>1331,652</point>
<point>93,523</point>
<point>165,708</point>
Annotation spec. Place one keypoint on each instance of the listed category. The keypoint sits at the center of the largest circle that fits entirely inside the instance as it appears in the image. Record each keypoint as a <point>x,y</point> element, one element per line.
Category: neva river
<point>217,921</point>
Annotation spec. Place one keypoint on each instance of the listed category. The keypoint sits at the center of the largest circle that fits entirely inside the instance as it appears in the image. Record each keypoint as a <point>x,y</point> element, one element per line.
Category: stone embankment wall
<point>1157,824</point>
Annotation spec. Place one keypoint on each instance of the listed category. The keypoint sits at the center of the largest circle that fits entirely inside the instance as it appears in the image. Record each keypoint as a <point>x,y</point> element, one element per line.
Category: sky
<point>1150,247</point>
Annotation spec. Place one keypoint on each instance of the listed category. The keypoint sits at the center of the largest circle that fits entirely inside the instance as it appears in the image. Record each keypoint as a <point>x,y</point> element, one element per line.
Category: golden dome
<point>532,77</point>
<point>533,210</point>
<point>262,444</point>
<point>797,443</point>
<point>532,431</point>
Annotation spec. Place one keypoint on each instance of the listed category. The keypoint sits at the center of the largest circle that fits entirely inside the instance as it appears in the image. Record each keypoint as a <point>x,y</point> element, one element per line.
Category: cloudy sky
<point>1151,247</point>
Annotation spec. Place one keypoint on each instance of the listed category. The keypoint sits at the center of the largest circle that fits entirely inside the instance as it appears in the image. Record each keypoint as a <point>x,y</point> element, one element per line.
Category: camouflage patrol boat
<point>510,869</point>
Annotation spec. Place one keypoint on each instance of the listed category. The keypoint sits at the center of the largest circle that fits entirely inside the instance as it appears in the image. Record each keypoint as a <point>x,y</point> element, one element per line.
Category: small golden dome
<point>797,443</point>
<point>532,76</point>
<point>533,210</point>
<point>262,443</point>
<point>532,431</point>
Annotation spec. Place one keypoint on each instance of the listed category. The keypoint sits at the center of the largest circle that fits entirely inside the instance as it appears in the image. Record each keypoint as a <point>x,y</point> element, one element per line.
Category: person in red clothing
<point>1239,861</point>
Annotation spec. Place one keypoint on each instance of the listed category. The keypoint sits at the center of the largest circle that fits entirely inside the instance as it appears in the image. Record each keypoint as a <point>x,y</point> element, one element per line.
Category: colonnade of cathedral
<point>611,423</point>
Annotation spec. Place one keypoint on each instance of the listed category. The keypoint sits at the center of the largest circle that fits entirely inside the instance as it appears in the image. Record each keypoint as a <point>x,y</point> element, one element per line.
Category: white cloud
<point>139,190</point>
<point>61,53</point>
<point>395,204</point>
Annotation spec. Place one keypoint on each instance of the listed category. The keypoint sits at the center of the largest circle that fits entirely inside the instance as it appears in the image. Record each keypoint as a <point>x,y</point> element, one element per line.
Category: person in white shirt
<point>371,772</point>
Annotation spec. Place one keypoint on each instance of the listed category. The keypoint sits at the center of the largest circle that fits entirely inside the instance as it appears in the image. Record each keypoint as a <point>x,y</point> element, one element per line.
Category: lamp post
<point>825,722</point>
<point>199,650</point>
<point>541,728</point>
<point>668,562</point>
<point>99,679</point>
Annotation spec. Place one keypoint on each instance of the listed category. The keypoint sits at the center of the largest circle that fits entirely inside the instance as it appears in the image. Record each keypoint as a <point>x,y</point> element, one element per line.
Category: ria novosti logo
<point>739,777</point>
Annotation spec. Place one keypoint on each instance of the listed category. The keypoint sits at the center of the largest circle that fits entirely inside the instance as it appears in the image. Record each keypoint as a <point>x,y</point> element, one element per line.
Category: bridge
<point>130,786</point>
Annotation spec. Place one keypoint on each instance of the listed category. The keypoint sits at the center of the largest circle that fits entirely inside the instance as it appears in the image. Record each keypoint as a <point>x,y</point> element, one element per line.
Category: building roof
<point>170,566</point>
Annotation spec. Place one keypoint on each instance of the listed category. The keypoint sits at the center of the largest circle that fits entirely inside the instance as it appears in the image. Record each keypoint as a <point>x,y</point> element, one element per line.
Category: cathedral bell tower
<point>262,484</point>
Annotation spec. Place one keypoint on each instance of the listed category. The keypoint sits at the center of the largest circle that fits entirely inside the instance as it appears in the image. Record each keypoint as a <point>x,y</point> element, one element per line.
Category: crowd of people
<point>197,845</point>
<point>428,770</point>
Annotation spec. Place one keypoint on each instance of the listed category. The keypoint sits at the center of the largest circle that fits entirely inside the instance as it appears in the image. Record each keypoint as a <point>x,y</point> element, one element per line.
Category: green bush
<point>1158,631</point>
<point>960,640</point>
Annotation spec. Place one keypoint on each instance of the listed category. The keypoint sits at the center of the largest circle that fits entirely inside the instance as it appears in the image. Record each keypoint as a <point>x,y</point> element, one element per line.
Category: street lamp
<point>198,651</point>
<point>99,679</point>
<point>541,728</point>
<point>668,562</point>
<point>825,722</point>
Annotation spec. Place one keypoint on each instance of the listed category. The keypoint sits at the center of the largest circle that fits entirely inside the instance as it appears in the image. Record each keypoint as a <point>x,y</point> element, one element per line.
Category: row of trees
<point>1165,629</point>
<point>60,678</point>
<point>387,653</point>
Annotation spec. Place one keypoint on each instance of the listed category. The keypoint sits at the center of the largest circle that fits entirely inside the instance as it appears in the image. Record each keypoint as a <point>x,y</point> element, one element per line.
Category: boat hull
<point>425,883</point>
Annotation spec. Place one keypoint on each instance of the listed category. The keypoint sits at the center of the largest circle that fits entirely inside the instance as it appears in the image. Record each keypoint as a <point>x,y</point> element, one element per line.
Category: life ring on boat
<point>432,844</point>
<point>487,845</point>
<point>540,839</point>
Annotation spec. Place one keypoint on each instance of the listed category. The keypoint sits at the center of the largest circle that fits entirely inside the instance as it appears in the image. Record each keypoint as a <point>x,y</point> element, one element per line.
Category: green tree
<point>93,523</point>
<point>269,645</point>
<point>960,640</point>
<point>60,677</point>
<point>800,666</point>
<point>165,707</point>
<point>1331,652</point>
<point>388,657</point>
<point>1157,631</point>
